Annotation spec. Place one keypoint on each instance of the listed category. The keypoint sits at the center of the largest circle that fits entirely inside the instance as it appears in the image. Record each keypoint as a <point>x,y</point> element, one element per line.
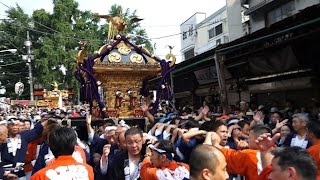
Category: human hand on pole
<point>88,119</point>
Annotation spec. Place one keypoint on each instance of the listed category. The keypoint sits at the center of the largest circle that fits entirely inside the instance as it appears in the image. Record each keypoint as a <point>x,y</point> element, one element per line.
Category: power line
<point>12,42</point>
<point>79,39</point>
<point>5,5</point>
<point>46,33</point>
<point>11,64</point>
<point>14,36</point>
<point>161,37</point>
<point>46,26</point>
<point>5,55</point>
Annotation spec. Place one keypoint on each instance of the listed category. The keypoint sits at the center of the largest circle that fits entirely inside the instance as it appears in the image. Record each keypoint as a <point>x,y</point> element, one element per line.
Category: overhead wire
<point>3,65</point>
<point>51,29</point>
<point>79,39</point>
<point>5,55</point>
<point>7,39</point>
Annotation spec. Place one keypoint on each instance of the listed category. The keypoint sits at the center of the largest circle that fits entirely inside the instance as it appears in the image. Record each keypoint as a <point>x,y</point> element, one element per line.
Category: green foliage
<point>12,67</point>
<point>55,39</point>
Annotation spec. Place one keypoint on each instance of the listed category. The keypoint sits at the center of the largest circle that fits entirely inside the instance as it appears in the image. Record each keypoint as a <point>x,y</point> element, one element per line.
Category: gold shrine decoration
<point>122,69</point>
<point>136,58</point>
<point>123,48</point>
<point>121,84</point>
<point>122,92</point>
<point>114,57</point>
<point>117,24</point>
<point>83,53</point>
<point>54,95</point>
<point>170,57</point>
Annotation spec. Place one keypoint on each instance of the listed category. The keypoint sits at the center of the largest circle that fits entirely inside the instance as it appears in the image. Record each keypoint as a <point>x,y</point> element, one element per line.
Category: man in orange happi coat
<point>246,162</point>
<point>62,143</point>
<point>160,165</point>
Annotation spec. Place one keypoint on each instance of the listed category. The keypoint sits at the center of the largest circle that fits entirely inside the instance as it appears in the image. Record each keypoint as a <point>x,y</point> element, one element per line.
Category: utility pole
<point>29,58</point>
<point>219,62</point>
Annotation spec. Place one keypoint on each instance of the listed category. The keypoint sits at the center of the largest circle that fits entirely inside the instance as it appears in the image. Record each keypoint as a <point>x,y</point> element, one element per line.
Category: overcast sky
<point>161,17</point>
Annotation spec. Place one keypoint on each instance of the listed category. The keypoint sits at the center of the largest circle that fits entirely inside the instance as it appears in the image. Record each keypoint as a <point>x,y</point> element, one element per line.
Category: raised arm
<point>146,111</point>
<point>89,127</point>
<point>190,134</point>
<point>279,126</point>
<point>34,133</point>
<point>257,118</point>
<point>265,145</point>
<point>104,159</point>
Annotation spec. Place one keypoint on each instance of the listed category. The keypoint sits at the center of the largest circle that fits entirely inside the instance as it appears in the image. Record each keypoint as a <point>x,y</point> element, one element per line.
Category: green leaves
<point>55,38</point>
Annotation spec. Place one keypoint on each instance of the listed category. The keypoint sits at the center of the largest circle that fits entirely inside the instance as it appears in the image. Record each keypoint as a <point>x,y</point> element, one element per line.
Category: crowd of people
<point>203,143</point>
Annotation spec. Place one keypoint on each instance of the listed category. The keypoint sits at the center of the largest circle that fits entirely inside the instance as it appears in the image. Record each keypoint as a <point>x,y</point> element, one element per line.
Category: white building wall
<point>189,32</point>
<point>204,43</point>
<point>234,23</point>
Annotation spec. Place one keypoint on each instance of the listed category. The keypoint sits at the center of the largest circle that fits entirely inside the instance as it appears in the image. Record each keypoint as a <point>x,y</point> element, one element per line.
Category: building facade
<point>200,33</point>
<point>198,65</point>
<point>269,48</point>
<point>264,13</point>
<point>189,35</point>
<point>277,60</point>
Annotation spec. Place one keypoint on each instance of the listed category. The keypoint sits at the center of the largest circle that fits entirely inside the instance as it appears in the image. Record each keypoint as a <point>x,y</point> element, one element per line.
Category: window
<point>189,54</point>
<point>211,33</point>
<point>184,35</point>
<point>218,29</point>
<point>215,31</point>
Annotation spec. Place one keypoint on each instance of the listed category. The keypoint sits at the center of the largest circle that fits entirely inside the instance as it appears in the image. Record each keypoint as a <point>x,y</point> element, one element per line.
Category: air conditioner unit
<point>218,42</point>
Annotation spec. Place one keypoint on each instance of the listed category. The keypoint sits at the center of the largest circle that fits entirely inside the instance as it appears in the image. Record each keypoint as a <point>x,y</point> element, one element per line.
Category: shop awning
<point>182,94</point>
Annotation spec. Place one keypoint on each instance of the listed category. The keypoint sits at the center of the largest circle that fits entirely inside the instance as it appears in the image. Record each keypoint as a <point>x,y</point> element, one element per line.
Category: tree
<point>55,39</point>
<point>12,35</point>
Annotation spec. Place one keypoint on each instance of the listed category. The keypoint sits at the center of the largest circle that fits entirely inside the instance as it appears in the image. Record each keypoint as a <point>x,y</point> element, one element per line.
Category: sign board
<point>22,102</point>
<point>206,75</point>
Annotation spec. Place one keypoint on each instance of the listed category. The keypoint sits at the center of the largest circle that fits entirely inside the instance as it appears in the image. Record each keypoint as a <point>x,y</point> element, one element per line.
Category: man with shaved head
<point>207,163</point>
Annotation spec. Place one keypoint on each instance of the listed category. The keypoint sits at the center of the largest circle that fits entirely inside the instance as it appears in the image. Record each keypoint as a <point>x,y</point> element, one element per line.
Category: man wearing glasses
<point>125,165</point>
